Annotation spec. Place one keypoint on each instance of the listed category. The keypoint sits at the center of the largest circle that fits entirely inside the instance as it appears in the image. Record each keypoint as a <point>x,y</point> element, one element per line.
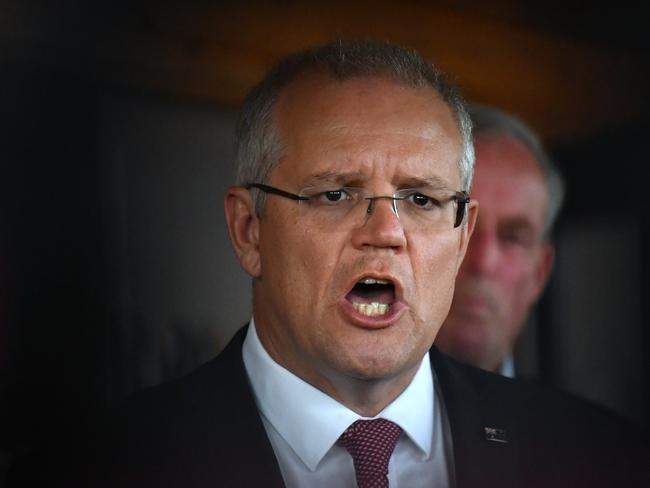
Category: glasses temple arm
<point>462,199</point>
<point>275,191</point>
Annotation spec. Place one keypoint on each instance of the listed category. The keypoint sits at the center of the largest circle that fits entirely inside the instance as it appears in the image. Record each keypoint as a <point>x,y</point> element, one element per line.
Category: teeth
<point>371,309</point>
<point>372,281</point>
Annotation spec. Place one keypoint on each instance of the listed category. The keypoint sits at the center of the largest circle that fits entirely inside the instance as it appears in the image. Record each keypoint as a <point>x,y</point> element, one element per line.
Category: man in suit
<point>510,256</point>
<point>351,215</point>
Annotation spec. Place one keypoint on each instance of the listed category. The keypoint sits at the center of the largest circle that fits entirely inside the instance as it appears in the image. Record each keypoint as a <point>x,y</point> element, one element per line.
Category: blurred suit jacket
<point>204,430</point>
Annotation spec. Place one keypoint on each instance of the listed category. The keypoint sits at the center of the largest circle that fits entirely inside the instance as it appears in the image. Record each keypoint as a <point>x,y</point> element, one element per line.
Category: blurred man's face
<point>316,282</point>
<point>508,260</point>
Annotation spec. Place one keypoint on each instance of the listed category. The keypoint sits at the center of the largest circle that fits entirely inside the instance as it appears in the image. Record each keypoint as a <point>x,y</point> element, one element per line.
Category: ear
<point>243,228</point>
<point>544,267</point>
<point>466,230</point>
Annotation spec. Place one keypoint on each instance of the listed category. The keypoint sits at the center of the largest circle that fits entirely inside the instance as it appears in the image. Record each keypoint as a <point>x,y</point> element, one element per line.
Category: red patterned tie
<point>371,443</point>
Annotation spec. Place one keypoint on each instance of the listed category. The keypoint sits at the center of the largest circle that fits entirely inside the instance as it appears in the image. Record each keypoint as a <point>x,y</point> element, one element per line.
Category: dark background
<point>116,122</point>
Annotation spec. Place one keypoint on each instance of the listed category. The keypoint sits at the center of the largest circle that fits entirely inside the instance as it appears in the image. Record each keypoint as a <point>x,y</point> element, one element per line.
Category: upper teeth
<point>373,281</point>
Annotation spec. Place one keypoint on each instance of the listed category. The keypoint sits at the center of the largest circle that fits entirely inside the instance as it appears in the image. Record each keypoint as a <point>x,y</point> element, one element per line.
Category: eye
<point>422,201</point>
<point>517,238</point>
<point>331,197</point>
<point>334,196</point>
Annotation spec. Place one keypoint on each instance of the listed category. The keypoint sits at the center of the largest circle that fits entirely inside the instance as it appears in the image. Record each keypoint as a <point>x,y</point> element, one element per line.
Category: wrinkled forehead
<point>367,121</point>
<point>317,97</point>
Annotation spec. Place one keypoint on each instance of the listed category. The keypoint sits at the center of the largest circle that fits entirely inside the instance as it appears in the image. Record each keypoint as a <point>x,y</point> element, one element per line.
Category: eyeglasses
<point>433,208</point>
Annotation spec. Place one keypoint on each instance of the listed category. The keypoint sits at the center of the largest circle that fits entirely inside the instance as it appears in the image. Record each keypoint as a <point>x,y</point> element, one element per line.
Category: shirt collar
<point>311,421</point>
<point>507,367</point>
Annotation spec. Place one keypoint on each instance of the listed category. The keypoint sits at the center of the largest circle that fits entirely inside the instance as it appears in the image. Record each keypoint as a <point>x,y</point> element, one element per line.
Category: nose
<point>372,200</point>
<point>380,227</point>
<point>482,252</point>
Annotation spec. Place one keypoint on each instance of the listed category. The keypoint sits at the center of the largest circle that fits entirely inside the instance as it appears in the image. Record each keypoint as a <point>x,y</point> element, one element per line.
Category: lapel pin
<point>495,435</point>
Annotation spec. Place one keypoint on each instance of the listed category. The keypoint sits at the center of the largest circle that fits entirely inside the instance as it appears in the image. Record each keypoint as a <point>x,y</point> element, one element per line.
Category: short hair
<point>487,120</point>
<point>258,143</point>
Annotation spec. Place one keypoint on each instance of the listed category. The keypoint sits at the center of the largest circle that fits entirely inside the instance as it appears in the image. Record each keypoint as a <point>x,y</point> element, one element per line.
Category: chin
<point>372,365</point>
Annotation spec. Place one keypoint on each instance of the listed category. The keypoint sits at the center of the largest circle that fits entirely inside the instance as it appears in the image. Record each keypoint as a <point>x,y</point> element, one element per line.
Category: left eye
<point>331,197</point>
<point>334,196</point>
<point>423,201</point>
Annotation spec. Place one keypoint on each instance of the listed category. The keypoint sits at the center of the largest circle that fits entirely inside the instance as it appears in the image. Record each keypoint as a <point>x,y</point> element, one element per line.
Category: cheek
<point>517,276</point>
<point>318,253</point>
<point>308,260</point>
<point>435,275</point>
<point>281,253</point>
<point>517,267</point>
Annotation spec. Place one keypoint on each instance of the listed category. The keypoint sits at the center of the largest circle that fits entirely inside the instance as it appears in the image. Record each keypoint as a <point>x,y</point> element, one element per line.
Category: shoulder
<point>193,428</point>
<point>552,431</point>
<point>522,399</point>
<point>496,391</point>
<point>216,389</point>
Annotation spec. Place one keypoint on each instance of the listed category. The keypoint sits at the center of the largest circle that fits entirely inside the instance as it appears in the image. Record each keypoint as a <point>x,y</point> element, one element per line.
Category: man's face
<point>375,134</point>
<point>508,260</point>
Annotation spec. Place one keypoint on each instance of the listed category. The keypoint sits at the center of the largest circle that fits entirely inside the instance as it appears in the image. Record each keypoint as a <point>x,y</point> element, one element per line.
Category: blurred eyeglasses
<point>431,208</point>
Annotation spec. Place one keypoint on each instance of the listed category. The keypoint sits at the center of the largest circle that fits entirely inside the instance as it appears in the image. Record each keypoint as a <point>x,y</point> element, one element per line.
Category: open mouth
<point>372,297</point>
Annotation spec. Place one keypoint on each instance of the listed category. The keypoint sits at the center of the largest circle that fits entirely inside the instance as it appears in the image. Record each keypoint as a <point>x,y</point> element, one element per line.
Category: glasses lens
<point>428,210</point>
<point>434,210</point>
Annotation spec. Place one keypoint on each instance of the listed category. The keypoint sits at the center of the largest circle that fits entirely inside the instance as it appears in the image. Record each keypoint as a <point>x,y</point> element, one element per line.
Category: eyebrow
<point>433,182</point>
<point>519,223</point>
<point>339,178</point>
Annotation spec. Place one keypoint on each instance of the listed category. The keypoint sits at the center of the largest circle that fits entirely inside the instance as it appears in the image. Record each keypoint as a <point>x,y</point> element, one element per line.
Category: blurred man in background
<point>510,255</point>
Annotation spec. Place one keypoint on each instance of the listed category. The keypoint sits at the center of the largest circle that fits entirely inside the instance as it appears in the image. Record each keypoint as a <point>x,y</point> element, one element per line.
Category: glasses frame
<point>460,197</point>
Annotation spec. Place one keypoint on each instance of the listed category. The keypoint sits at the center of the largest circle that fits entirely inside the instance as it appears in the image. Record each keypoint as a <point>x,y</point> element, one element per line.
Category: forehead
<point>508,181</point>
<point>366,124</point>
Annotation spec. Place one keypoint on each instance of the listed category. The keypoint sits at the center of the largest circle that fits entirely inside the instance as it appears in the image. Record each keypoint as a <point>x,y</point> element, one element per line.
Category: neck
<point>369,397</point>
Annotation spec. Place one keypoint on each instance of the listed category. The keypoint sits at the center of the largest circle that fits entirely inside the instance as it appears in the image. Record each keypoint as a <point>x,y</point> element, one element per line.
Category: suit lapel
<point>483,435</point>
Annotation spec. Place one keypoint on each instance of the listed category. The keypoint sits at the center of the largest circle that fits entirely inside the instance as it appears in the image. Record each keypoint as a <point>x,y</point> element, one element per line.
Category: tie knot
<point>371,444</point>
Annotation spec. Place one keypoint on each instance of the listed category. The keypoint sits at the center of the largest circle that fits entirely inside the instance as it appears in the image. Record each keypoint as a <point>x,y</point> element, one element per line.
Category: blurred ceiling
<point>570,71</point>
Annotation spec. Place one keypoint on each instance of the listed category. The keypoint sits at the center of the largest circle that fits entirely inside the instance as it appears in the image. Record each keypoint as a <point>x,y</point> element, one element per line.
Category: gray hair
<point>258,143</point>
<point>491,121</point>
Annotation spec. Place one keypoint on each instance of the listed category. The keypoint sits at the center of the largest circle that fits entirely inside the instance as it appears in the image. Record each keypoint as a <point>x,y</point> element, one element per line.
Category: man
<point>510,256</point>
<point>352,218</point>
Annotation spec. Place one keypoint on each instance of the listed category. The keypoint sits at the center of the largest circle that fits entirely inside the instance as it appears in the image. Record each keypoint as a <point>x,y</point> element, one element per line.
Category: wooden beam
<point>198,50</point>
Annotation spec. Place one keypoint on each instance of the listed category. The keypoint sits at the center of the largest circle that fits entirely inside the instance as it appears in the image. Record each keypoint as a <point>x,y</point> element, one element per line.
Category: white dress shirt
<point>303,425</point>
<point>507,367</point>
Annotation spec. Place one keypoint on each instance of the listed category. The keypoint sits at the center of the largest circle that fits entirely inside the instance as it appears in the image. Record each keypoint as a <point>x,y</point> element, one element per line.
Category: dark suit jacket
<point>204,430</point>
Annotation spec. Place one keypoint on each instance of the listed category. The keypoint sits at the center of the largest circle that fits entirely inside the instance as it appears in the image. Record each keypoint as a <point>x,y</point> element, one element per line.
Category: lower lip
<point>397,309</point>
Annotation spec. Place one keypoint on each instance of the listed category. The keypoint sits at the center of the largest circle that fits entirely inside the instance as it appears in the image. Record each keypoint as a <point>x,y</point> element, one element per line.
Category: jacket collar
<point>481,421</point>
